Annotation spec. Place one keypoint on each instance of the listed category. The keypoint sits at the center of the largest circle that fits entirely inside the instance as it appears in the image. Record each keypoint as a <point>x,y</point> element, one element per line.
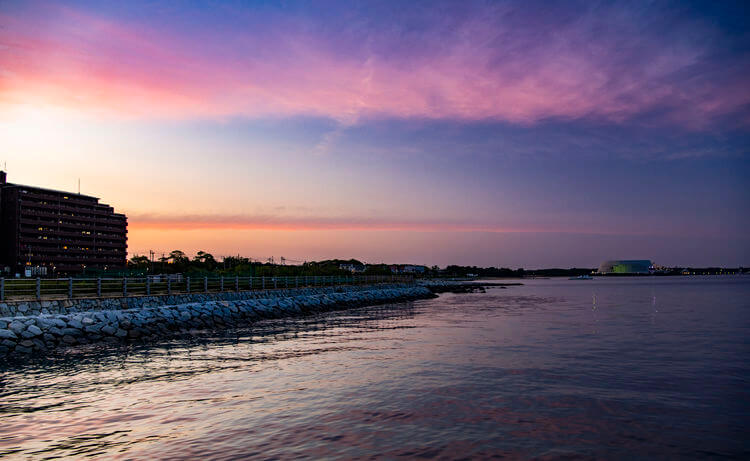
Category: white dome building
<point>626,266</point>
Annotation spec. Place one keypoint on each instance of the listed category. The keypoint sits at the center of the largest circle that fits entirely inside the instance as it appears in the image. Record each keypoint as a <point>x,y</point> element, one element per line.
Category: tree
<point>139,261</point>
<point>205,260</point>
<point>178,260</point>
<point>177,256</point>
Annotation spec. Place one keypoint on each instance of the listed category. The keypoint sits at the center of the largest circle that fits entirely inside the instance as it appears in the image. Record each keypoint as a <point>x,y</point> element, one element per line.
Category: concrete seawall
<point>42,326</point>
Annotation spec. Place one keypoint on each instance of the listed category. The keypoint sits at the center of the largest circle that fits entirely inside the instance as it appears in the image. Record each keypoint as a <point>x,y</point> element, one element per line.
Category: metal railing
<point>12,289</point>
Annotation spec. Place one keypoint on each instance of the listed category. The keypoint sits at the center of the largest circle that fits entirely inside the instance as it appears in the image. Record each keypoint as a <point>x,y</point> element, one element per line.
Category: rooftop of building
<point>4,183</point>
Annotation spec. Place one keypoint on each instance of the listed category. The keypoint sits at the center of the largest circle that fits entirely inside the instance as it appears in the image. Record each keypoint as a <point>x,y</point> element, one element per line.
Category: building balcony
<point>57,196</point>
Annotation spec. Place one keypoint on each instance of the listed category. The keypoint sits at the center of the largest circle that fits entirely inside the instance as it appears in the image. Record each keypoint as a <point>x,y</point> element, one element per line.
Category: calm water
<point>615,368</point>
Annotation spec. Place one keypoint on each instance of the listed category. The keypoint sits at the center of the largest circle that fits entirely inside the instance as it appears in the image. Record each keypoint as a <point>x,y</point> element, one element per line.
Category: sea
<point>610,368</point>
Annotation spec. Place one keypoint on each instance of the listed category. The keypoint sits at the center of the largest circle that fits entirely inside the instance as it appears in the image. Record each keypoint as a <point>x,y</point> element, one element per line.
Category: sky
<point>512,134</point>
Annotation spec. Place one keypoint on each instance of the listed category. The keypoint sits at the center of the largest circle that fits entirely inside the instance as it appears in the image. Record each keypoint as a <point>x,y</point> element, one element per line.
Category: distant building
<point>353,268</point>
<point>51,232</point>
<point>408,269</point>
<point>632,266</point>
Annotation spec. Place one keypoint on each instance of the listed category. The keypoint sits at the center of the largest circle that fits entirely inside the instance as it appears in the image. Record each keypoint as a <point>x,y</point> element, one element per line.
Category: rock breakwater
<point>26,334</point>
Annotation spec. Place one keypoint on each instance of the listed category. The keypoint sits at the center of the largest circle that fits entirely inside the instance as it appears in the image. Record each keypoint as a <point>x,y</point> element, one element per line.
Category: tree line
<point>204,263</point>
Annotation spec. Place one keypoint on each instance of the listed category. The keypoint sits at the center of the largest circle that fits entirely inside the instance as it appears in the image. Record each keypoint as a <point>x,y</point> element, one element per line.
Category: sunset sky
<point>516,134</point>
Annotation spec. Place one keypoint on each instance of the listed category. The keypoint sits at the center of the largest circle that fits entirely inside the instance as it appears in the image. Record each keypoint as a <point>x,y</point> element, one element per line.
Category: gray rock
<point>17,327</point>
<point>23,350</point>
<point>57,322</point>
<point>7,334</point>
<point>71,332</point>
<point>154,316</point>
<point>94,328</point>
<point>26,343</point>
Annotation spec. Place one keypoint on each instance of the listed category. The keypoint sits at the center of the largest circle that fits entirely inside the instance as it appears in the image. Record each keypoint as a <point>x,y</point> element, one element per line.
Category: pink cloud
<point>94,64</point>
<point>137,222</point>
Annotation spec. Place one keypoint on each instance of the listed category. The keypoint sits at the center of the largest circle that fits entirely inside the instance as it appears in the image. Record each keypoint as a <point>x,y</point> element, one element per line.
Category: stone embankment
<point>62,323</point>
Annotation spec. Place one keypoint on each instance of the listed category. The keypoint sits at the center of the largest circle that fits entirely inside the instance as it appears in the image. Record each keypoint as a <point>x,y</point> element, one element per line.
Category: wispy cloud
<point>353,223</point>
<point>498,63</point>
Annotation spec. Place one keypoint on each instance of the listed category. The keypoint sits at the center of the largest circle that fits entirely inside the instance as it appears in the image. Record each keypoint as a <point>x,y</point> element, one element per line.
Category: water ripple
<point>554,369</point>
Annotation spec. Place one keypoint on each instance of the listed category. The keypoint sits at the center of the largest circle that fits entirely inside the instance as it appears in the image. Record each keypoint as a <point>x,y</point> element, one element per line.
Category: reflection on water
<point>616,368</point>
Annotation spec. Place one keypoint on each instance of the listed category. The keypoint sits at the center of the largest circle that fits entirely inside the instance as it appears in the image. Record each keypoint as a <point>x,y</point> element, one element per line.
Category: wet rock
<point>16,327</point>
<point>150,318</point>
<point>92,328</point>
<point>8,334</point>
<point>67,339</point>
<point>71,332</point>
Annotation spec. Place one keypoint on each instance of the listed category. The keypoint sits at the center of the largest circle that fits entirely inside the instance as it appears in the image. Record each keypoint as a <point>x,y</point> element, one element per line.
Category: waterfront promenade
<point>36,289</point>
<point>28,327</point>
